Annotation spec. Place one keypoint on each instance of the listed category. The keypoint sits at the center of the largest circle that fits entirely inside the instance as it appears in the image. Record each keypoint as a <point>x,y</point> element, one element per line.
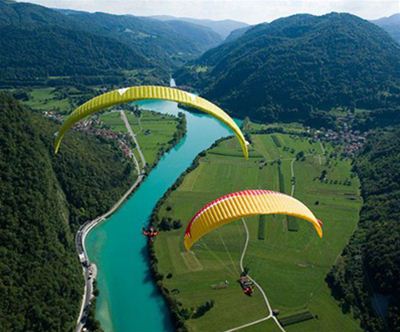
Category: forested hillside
<point>297,67</point>
<point>51,47</point>
<point>40,276</point>
<point>237,33</point>
<point>30,55</point>
<point>366,277</point>
<point>168,44</point>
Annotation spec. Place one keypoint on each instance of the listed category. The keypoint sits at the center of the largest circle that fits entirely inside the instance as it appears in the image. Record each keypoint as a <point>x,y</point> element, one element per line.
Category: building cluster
<point>351,140</point>
<point>55,116</point>
<point>95,126</point>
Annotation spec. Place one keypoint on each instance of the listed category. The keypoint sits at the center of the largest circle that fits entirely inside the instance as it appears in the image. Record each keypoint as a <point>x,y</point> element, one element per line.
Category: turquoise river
<point>129,300</point>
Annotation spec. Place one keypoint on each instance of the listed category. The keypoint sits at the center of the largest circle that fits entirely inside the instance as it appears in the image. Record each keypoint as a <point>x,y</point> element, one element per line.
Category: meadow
<point>44,99</point>
<point>153,130</point>
<point>61,100</point>
<point>290,263</point>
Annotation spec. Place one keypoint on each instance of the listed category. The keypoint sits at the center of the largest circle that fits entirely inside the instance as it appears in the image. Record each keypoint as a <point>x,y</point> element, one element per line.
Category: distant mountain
<point>45,46</point>
<point>391,24</point>
<point>222,27</point>
<point>235,34</point>
<point>300,67</point>
<point>37,43</point>
<point>168,43</point>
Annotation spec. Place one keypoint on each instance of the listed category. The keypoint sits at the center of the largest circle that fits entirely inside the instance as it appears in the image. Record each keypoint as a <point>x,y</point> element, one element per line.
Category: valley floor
<point>284,255</point>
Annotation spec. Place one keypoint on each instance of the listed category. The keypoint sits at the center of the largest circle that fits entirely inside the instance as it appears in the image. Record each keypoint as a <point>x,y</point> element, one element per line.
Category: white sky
<point>249,11</point>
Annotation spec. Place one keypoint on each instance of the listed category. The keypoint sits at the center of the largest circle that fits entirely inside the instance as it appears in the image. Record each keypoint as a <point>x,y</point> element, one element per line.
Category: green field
<point>63,100</point>
<point>289,265</point>
<point>153,130</point>
<point>114,121</point>
<point>256,127</point>
<point>45,99</point>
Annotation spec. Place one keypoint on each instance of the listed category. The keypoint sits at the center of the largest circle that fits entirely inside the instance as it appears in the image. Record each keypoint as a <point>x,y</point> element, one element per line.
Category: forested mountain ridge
<point>296,67</point>
<point>39,43</point>
<point>391,24</point>
<point>29,15</point>
<point>237,33</point>
<point>168,43</point>
<point>366,276</point>
<point>43,198</point>
<point>33,55</point>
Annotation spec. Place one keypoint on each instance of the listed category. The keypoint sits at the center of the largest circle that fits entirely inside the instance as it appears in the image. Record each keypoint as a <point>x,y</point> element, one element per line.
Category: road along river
<point>129,299</point>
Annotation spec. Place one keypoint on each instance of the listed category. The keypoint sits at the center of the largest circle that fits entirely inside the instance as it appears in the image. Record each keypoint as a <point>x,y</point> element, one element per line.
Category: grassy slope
<point>290,266</point>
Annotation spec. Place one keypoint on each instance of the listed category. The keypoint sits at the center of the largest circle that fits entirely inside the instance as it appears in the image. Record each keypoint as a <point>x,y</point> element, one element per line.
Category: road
<point>270,314</point>
<point>89,270</point>
<point>130,131</point>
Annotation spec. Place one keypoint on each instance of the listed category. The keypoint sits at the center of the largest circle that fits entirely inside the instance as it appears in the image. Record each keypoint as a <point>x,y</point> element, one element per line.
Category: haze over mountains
<point>391,24</point>
<point>223,27</point>
<point>295,67</point>
<point>170,43</point>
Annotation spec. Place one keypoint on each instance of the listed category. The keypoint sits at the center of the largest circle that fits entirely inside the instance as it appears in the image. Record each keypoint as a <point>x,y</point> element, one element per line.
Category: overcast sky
<point>250,11</point>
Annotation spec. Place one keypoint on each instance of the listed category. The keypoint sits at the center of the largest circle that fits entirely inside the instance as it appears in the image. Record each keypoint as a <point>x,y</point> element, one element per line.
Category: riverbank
<point>129,300</point>
<point>88,267</point>
<point>173,305</point>
<point>83,231</point>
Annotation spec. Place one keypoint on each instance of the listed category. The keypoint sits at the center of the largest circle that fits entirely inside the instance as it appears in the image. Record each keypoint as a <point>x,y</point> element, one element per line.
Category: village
<point>95,126</point>
<point>350,139</point>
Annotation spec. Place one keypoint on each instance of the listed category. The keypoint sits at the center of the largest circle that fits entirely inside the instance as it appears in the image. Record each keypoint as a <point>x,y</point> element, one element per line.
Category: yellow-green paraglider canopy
<point>136,93</point>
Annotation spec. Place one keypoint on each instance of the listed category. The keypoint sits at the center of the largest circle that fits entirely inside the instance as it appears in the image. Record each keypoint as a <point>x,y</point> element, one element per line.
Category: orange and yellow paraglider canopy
<point>245,203</point>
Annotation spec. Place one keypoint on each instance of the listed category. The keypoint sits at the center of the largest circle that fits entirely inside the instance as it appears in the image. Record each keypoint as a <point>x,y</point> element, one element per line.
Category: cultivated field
<point>285,257</point>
